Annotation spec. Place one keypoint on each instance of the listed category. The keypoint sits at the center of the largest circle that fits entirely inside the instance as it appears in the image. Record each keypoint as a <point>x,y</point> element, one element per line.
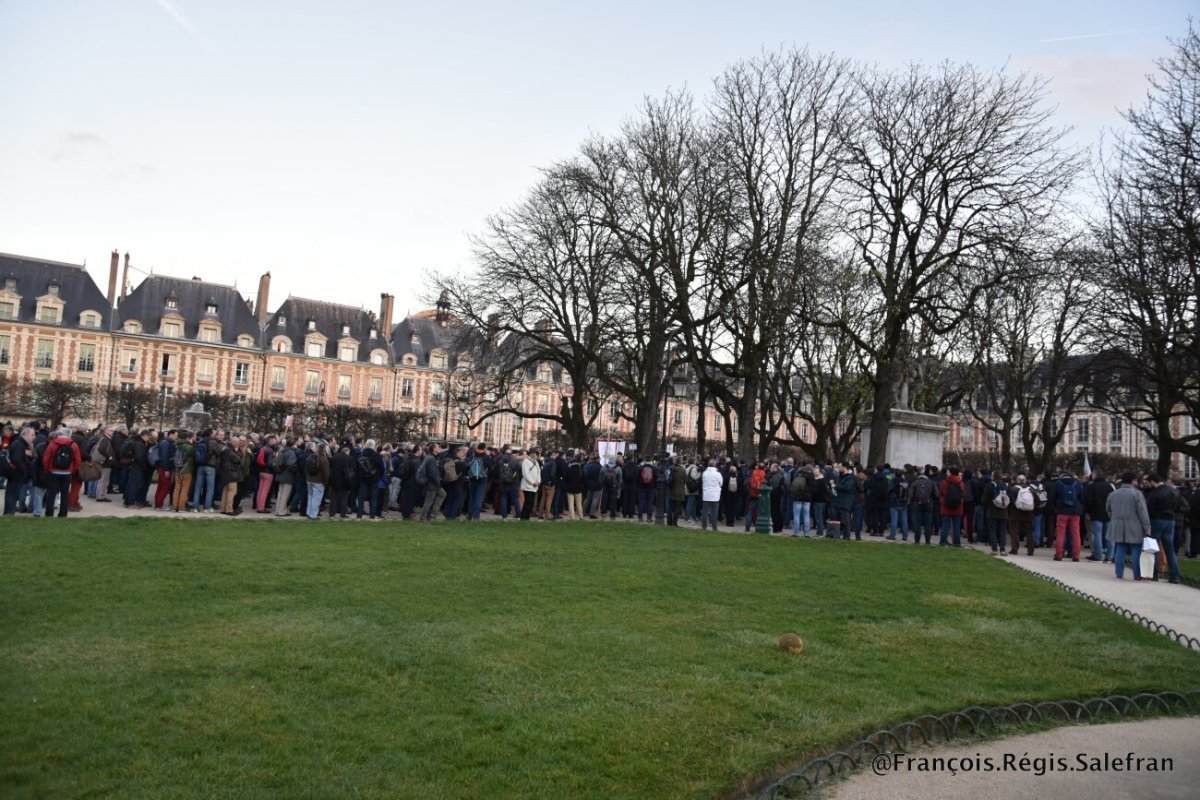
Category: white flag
<point>287,422</point>
<point>1087,467</point>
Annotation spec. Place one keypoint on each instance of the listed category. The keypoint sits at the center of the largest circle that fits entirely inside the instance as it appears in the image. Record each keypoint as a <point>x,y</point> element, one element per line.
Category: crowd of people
<point>216,471</point>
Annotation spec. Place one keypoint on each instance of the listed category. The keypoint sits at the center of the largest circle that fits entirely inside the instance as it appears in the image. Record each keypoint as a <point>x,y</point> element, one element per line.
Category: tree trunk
<point>701,437</point>
<point>881,411</point>
<point>748,421</point>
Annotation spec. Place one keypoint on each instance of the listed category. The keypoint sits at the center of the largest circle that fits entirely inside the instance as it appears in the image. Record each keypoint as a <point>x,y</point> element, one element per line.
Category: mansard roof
<point>147,304</point>
<point>76,289</point>
<point>329,320</point>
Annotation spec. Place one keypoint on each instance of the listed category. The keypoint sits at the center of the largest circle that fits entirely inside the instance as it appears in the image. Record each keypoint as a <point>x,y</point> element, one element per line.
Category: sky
<point>352,148</point>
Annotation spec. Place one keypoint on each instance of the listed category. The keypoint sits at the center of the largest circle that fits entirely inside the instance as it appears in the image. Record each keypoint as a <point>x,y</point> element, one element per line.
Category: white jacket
<point>710,485</point>
<point>531,474</point>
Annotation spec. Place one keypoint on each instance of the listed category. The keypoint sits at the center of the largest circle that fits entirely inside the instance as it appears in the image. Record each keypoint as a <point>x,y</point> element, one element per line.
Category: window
<point>132,326</point>
<point>210,308</point>
<point>52,290</point>
<point>406,387</point>
<point>804,431</point>
<point>4,357</point>
<point>45,354</point>
<point>278,377</point>
<point>172,303</point>
<point>245,341</point>
<point>166,365</point>
<point>89,319</point>
<point>241,373</point>
<point>209,335</point>
<point>343,385</point>
<point>10,284</point>
<point>345,330</point>
<point>315,350</point>
<point>206,369</point>
<point>614,411</point>
<point>312,382</point>
<point>1083,431</point>
<point>282,344</point>
<point>487,431</point>
<point>172,330</point>
<point>593,408</point>
<point>127,387</point>
<point>1118,430</point>
<point>1190,469</point>
<point>87,358</point>
<point>281,321</point>
<point>516,433</point>
<point>716,424</point>
<point>379,358</point>
<point>129,361</point>
<point>48,315</point>
<point>1053,426</point>
<point>678,421</point>
<point>374,334</point>
<point>438,361</point>
<point>376,389</point>
<point>460,431</point>
<point>346,352</point>
<point>8,310</point>
<point>312,324</point>
<point>437,391</point>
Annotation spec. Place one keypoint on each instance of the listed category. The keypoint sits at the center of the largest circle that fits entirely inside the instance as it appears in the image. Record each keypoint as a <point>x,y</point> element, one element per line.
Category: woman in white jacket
<point>531,479</point>
<point>710,493</point>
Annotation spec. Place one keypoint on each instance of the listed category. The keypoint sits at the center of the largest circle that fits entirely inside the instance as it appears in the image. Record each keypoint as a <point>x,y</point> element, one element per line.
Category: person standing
<point>229,474</point>
<point>429,475</point>
<point>137,453</point>
<point>1129,524</point>
<point>316,475</point>
<point>531,479</point>
<point>572,484</point>
<point>923,497</point>
<point>60,463</point>
<point>593,485</point>
<point>1095,501</point>
<point>479,472</point>
<point>712,483</point>
<point>1066,501</point>
<point>952,508</point>
<point>848,488</point>
<point>996,501</point>
<point>1162,502</point>
<point>264,460</point>
<point>167,448</point>
<point>184,470</point>
<point>1021,510</point>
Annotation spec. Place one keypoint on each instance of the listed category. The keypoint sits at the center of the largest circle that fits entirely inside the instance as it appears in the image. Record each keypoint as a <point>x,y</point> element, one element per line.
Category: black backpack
<point>923,490</point>
<point>63,458</point>
<point>798,485</point>
<point>366,469</point>
<point>952,498</point>
<point>6,467</point>
<point>312,465</point>
<point>127,452</point>
<point>350,470</point>
<point>693,483</point>
<point>510,472</point>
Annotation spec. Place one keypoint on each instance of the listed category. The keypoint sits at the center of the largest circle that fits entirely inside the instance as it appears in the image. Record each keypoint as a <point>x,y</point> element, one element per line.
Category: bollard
<point>763,523</point>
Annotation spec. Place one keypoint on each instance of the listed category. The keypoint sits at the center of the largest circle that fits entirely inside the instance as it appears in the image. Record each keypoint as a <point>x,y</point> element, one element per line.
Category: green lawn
<point>185,658</point>
<point>1189,567</point>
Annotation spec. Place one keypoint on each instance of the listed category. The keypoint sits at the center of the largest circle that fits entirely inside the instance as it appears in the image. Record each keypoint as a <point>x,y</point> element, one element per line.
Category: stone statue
<point>195,418</point>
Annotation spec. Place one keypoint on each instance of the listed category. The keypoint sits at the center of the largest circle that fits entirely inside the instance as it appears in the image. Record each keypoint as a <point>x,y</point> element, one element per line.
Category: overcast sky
<point>351,147</point>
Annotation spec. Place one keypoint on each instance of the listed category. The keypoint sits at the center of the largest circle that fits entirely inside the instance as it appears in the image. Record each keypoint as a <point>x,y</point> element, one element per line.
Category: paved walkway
<point>1177,739</point>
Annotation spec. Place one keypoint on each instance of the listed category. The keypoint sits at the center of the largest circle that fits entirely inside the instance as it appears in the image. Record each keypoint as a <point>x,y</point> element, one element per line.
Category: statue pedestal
<point>914,438</point>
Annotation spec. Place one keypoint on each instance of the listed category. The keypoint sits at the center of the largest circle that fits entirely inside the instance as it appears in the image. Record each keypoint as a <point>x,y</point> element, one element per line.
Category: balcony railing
<point>87,365</point>
<point>166,374</point>
<point>44,362</point>
<point>343,393</point>
<point>279,386</point>
<point>311,389</point>
<point>129,369</point>
<point>375,396</point>
<point>202,378</point>
<point>241,381</point>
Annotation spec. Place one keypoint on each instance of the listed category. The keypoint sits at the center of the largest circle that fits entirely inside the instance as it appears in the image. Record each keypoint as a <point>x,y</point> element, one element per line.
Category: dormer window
<point>172,303</point>
<point>374,334</point>
<point>346,352</point>
<point>172,330</point>
<point>10,284</point>
<point>210,308</point>
<point>345,330</point>
<point>312,324</point>
<point>281,322</point>
<point>415,338</point>
<point>89,319</point>
<point>52,290</point>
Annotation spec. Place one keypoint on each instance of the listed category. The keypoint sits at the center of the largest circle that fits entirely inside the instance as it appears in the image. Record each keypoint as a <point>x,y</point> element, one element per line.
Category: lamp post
<point>660,505</point>
<point>162,399</point>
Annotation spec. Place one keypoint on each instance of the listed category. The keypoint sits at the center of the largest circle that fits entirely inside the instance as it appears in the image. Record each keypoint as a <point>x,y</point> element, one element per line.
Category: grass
<point>1189,567</point>
<point>184,658</point>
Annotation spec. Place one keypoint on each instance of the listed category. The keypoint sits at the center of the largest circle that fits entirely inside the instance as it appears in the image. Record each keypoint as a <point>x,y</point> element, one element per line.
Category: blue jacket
<point>1064,490</point>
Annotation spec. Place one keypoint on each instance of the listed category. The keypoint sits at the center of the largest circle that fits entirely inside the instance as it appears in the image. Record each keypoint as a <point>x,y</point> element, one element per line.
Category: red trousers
<point>164,487</point>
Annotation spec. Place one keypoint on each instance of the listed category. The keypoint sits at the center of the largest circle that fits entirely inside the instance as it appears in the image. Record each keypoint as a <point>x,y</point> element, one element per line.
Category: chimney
<point>112,279</point>
<point>386,301</point>
<point>260,305</point>
<point>493,329</point>
<point>125,278</point>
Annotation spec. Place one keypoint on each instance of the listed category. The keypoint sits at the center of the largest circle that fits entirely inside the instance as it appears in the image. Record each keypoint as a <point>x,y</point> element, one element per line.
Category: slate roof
<point>329,318</point>
<point>76,288</point>
<point>147,304</point>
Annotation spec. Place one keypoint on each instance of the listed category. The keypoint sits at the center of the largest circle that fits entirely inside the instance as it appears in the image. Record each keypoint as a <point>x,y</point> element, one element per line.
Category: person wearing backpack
<point>370,469</point>
<point>898,491</point>
<point>593,487</point>
<point>264,467</point>
<point>137,476</point>
<point>531,480</point>
<point>59,464</point>
<point>479,470</point>
<point>343,477</point>
<point>923,498</point>
<point>1066,500</point>
<point>184,470</point>
<point>316,476</point>
<point>229,473</point>
<point>206,456</point>
<point>1162,503</point>
<point>951,508</point>
<point>799,490</point>
<point>645,489</point>
<point>1021,510</point>
<point>165,464</point>
<point>630,483</point>
<point>614,473</point>
<point>996,501</point>
<point>510,485</point>
<point>429,476</point>
<point>284,465</point>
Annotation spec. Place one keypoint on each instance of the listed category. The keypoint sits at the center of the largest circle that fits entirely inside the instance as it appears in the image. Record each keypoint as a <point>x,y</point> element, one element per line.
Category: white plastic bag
<point>1149,544</point>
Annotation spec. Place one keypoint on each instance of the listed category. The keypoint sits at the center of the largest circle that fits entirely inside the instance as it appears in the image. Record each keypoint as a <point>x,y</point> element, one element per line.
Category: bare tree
<point>1150,235</point>
<point>58,399</point>
<point>944,165</point>
<point>542,294</point>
